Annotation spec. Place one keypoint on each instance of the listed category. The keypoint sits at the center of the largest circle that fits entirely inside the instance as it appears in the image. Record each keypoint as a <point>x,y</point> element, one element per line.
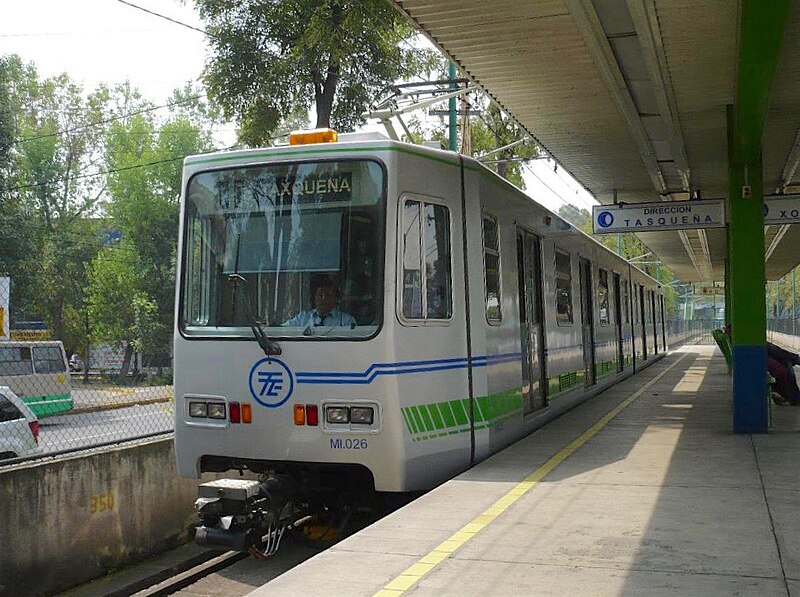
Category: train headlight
<point>363,415</point>
<point>337,414</point>
<point>198,409</point>
<point>216,410</point>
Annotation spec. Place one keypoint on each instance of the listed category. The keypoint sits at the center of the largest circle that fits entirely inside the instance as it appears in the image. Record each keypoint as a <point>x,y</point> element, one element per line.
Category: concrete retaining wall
<point>65,522</point>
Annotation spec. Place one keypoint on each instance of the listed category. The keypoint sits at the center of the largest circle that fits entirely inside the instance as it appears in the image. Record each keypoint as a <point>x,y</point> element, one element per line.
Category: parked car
<point>19,427</point>
<point>75,363</point>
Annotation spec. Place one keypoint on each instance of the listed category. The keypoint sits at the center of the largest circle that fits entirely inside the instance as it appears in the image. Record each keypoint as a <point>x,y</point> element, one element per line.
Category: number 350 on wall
<point>102,502</point>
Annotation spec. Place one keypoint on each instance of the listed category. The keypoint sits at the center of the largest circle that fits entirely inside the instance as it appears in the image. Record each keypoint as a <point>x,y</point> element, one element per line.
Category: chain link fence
<point>55,401</point>
<point>696,331</point>
<point>784,332</point>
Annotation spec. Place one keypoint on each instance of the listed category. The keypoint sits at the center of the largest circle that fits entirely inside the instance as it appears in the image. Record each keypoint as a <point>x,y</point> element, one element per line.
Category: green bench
<point>724,343</point>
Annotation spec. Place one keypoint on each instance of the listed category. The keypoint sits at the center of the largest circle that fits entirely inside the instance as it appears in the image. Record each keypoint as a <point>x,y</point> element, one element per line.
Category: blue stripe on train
<point>401,368</point>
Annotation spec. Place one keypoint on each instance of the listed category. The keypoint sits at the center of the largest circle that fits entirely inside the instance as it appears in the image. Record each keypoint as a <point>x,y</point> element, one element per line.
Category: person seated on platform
<point>325,312</point>
<point>780,365</point>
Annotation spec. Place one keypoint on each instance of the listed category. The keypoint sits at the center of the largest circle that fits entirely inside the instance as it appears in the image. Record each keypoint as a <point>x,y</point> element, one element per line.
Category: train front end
<point>279,317</point>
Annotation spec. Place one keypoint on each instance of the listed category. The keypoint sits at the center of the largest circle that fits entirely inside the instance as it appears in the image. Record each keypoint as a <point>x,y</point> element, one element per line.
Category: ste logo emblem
<point>271,382</point>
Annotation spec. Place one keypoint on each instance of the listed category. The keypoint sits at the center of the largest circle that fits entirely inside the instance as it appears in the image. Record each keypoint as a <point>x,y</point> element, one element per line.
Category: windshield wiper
<point>269,346</point>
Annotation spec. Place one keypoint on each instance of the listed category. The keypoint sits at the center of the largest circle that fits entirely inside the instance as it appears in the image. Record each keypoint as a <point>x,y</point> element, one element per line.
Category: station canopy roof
<point>631,96</point>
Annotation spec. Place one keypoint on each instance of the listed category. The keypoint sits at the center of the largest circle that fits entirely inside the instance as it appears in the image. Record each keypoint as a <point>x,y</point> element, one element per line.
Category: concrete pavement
<point>662,499</point>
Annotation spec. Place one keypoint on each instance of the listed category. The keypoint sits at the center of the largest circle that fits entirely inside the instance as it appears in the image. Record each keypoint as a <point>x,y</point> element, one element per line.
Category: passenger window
<point>16,361</point>
<point>602,297</point>
<point>491,266</point>
<point>426,256</point>
<point>8,412</point>
<point>48,359</point>
<point>563,289</point>
<point>624,300</point>
<point>197,286</point>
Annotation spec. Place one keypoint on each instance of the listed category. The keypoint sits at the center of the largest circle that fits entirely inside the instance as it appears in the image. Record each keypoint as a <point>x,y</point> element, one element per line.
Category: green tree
<point>578,217</point>
<point>55,148</point>
<point>114,287</point>
<point>493,130</point>
<point>7,124</point>
<point>271,59</point>
<point>144,158</point>
<point>15,245</point>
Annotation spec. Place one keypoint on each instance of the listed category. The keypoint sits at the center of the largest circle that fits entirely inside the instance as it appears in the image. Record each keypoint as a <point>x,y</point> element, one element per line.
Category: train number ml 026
<point>337,443</point>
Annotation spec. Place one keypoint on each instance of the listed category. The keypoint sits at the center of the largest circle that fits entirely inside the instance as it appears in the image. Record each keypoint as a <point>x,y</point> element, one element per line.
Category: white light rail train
<point>360,315</point>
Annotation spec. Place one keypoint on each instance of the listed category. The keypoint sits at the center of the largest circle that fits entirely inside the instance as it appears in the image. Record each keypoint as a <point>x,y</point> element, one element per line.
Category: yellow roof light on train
<point>313,136</point>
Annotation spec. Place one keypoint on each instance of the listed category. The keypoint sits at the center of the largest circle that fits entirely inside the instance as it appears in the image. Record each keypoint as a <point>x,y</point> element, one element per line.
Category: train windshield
<point>295,247</point>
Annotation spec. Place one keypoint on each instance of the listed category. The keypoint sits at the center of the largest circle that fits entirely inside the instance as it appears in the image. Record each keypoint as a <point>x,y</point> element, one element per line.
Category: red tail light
<point>34,425</point>
<point>234,412</point>
<point>312,415</point>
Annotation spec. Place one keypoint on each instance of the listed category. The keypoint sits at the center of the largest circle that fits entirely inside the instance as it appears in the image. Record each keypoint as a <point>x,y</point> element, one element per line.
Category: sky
<point>108,41</point>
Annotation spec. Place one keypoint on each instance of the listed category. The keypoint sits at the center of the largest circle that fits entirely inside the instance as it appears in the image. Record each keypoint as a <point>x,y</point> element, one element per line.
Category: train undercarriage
<point>254,515</point>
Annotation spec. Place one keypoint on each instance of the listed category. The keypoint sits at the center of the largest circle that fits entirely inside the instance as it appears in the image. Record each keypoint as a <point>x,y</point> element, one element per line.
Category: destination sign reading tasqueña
<point>672,215</point>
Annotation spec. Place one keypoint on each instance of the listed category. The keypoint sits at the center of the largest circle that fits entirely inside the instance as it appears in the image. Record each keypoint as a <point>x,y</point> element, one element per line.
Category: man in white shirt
<point>325,311</point>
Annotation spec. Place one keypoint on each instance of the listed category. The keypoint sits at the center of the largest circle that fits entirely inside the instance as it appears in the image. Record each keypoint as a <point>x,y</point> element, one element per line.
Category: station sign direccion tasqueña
<point>672,215</point>
<point>684,215</point>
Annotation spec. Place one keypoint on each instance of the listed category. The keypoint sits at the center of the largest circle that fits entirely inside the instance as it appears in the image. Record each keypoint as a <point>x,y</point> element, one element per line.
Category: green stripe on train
<point>451,417</point>
<point>52,404</point>
<point>606,368</point>
<point>564,382</point>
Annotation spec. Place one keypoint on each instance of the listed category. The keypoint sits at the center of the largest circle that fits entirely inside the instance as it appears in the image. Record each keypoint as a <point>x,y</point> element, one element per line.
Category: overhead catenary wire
<point>108,120</point>
<point>127,168</point>
<point>109,171</point>
<point>553,191</point>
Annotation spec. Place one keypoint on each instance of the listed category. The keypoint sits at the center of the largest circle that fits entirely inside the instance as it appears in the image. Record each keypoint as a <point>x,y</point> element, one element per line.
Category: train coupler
<point>245,515</point>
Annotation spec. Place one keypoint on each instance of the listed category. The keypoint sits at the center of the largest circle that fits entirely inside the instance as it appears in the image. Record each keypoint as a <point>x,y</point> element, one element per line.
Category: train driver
<point>326,310</point>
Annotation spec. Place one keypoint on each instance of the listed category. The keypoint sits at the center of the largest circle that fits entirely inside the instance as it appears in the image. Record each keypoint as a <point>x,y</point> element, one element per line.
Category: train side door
<point>618,315</point>
<point>587,319</point>
<point>643,313</point>
<point>529,267</point>
<point>655,320</point>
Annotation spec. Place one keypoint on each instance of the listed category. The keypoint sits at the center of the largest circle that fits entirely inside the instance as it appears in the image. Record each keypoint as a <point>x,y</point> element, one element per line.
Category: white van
<point>38,373</point>
<point>19,427</point>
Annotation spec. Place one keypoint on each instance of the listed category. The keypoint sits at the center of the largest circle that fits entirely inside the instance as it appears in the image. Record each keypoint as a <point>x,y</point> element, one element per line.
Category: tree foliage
<point>54,146</point>
<point>144,206</point>
<point>77,171</point>
<point>493,130</point>
<point>273,59</point>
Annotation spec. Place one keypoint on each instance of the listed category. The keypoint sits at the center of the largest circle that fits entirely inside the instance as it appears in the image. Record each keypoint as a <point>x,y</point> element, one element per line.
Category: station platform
<point>642,490</point>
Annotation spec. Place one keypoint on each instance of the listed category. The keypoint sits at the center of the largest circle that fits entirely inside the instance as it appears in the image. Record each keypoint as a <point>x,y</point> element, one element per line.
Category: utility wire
<point>126,168</point>
<point>556,195</point>
<point>109,119</point>
<point>166,18</point>
<point>63,230</point>
<point>540,179</point>
<point>92,175</point>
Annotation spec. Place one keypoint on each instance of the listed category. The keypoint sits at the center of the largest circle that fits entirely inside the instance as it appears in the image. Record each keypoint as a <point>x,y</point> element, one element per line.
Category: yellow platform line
<point>444,550</point>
